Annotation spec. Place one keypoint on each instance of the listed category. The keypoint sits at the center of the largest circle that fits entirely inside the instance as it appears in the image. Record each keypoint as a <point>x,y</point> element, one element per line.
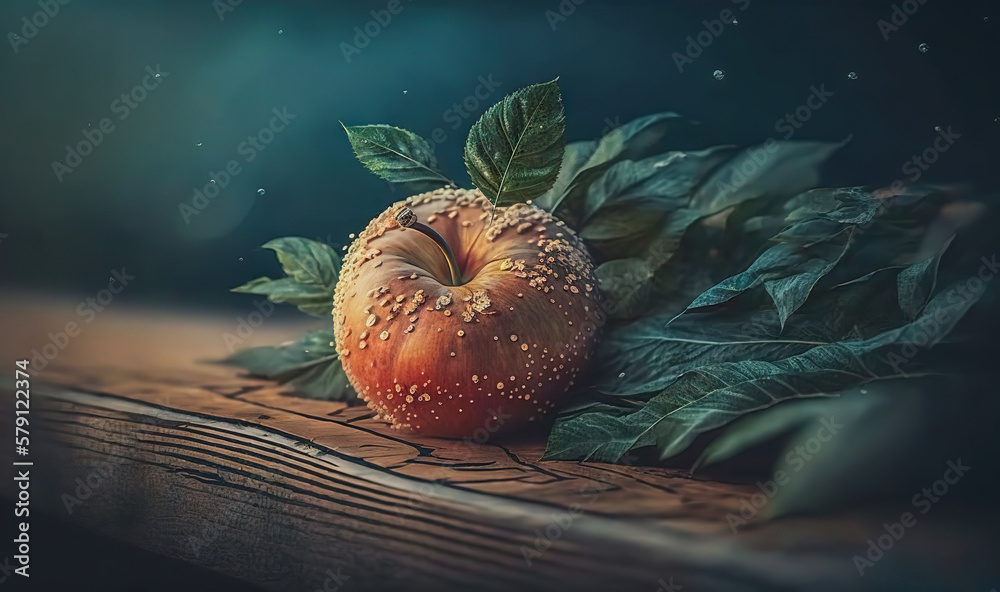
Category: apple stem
<point>408,219</point>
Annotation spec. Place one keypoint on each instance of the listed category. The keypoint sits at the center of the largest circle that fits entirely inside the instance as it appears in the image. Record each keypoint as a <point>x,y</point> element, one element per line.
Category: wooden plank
<point>196,462</point>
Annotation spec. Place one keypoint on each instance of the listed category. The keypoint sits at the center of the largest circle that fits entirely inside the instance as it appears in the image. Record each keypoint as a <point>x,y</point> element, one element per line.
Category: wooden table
<point>143,442</point>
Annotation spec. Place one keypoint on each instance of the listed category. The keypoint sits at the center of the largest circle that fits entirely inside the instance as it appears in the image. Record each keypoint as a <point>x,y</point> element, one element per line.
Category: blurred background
<point>226,67</point>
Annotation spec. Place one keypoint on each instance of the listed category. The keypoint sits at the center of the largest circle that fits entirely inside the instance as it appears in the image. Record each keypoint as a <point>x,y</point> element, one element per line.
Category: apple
<point>456,320</point>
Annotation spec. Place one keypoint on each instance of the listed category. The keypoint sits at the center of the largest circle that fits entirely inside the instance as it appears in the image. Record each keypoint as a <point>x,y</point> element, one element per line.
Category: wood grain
<point>143,442</point>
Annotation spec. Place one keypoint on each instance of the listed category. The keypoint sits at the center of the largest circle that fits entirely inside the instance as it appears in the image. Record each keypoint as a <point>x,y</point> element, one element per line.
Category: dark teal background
<point>120,206</point>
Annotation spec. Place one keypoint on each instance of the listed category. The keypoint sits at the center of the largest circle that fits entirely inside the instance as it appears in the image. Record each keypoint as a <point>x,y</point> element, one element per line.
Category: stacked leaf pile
<point>732,283</point>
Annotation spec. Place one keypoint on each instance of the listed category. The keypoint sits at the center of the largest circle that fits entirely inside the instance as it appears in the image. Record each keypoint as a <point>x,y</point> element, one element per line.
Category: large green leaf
<point>711,396</point>
<point>574,158</point>
<point>514,151</point>
<point>396,155</point>
<point>757,428</point>
<point>916,283</point>
<point>312,267</point>
<point>309,365</point>
<point>823,227</point>
<point>641,210</point>
<point>589,160</point>
<point>647,355</point>
<point>775,168</point>
<point>668,178</point>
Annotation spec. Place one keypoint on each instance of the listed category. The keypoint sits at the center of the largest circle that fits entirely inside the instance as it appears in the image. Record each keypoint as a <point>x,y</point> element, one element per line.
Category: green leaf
<point>309,365</point>
<point>788,272</point>
<point>396,155</point>
<point>667,178</point>
<point>312,267</point>
<point>625,285</point>
<point>648,355</point>
<point>759,427</point>
<point>590,160</point>
<point>773,168</point>
<point>916,283</point>
<point>574,157</point>
<point>823,226</point>
<point>711,396</point>
<point>514,151</point>
<point>628,281</point>
<point>633,139</point>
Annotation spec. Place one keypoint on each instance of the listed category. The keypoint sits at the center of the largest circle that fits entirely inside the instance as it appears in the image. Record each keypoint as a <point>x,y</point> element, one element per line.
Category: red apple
<point>496,351</point>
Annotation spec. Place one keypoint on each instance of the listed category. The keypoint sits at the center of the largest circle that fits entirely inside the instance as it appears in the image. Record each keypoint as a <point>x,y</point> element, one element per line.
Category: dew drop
<point>513,337</point>
<point>864,391</point>
<point>621,375</point>
<point>736,22</point>
<point>923,47</point>
<point>260,191</point>
<point>937,128</point>
<point>852,75</point>
<point>281,31</point>
<point>719,74</point>
<point>198,144</point>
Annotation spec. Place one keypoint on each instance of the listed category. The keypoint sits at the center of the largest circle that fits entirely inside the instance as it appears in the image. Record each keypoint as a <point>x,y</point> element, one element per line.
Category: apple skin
<point>496,353</point>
